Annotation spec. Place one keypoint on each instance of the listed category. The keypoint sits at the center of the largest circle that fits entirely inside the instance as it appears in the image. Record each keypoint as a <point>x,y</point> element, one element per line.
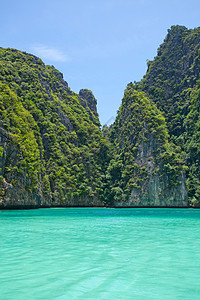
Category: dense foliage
<point>139,138</point>
<point>61,146</point>
<point>172,82</point>
<point>56,136</point>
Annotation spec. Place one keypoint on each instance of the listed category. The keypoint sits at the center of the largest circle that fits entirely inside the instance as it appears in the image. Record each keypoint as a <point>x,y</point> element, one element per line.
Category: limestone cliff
<point>88,101</point>
<point>17,188</point>
<point>172,82</point>
<point>53,147</point>
<point>146,170</point>
<point>53,153</point>
<point>157,188</point>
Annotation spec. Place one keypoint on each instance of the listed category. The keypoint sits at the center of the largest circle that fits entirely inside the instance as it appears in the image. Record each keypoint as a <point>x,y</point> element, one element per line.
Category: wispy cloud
<point>49,53</point>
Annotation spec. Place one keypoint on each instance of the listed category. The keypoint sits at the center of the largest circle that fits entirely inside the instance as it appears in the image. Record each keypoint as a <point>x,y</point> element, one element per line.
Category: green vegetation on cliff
<point>51,143</point>
<point>59,139</point>
<point>172,81</point>
<point>142,156</point>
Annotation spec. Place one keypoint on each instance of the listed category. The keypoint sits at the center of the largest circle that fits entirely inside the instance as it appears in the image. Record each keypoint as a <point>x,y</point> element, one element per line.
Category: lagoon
<point>99,253</point>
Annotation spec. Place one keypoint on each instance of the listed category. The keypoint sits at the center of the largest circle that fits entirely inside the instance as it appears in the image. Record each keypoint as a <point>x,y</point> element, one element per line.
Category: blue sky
<point>100,45</point>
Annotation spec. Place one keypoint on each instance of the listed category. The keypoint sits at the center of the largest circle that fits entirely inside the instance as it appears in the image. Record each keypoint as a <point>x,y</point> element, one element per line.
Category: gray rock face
<point>14,184</point>
<point>157,189</point>
<point>87,95</point>
<point>15,191</point>
<point>157,192</point>
<point>88,101</point>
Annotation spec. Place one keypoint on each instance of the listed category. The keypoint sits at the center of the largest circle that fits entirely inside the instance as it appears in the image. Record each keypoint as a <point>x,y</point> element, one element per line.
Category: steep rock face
<point>172,82</point>
<point>156,189</point>
<point>53,153</point>
<point>175,69</point>
<point>88,101</point>
<point>147,170</point>
<point>16,186</point>
<point>61,146</point>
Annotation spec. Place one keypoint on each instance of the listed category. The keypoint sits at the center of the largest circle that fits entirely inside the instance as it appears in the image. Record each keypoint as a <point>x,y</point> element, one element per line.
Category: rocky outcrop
<point>15,186</point>
<point>147,170</point>
<point>88,101</point>
<point>53,153</point>
<point>158,189</point>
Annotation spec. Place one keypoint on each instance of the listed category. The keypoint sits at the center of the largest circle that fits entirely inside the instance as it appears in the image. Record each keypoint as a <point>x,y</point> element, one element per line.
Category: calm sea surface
<point>97,253</point>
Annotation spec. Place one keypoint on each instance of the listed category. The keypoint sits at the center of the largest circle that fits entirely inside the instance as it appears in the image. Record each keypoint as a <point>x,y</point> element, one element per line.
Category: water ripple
<point>100,254</point>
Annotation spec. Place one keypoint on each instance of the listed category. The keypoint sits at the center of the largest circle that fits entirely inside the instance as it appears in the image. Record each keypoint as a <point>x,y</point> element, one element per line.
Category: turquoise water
<point>97,253</point>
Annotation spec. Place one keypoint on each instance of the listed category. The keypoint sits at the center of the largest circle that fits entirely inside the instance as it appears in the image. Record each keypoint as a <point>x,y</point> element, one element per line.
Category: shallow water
<point>97,253</point>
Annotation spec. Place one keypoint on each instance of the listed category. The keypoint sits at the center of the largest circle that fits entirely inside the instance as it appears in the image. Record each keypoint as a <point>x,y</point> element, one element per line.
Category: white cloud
<point>49,53</point>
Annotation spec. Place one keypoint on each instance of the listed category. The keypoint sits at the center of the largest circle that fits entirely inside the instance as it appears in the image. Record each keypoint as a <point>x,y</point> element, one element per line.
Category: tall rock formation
<point>146,170</point>
<point>53,153</point>
<point>172,81</point>
<point>51,150</point>
<point>88,101</point>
